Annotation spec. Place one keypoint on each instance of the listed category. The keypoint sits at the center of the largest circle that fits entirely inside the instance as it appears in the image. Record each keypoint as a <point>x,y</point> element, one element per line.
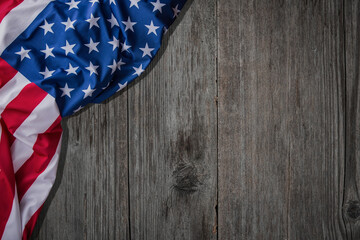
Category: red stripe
<point>6,6</point>
<point>31,224</point>
<point>7,180</point>
<point>11,138</point>
<point>20,107</point>
<point>44,149</point>
<point>7,72</point>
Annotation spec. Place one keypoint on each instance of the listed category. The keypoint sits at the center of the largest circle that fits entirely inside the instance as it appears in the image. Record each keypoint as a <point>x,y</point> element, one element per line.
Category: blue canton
<point>85,51</point>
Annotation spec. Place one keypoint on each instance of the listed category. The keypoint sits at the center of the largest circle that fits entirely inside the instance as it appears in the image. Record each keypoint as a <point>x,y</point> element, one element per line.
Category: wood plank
<point>172,134</point>
<point>317,126</point>
<point>90,199</point>
<point>351,206</point>
<point>281,135</point>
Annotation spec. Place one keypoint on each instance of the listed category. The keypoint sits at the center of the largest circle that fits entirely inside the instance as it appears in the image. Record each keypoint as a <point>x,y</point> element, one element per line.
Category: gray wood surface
<point>245,126</point>
<point>172,135</point>
<point>351,209</point>
<point>280,91</point>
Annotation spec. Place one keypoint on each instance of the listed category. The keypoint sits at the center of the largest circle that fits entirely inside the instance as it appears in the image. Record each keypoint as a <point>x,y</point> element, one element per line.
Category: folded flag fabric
<point>56,56</point>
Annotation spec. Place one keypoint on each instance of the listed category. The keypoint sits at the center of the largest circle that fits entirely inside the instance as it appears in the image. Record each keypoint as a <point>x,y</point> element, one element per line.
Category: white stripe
<point>13,229</point>
<point>18,19</point>
<point>36,195</point>
<point>11,89</point>
<point>40,119</point>
<point>20,153</point>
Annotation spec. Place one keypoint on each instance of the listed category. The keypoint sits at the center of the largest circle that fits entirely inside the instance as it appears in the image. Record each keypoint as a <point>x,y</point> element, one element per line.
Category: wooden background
<point>245,126</point>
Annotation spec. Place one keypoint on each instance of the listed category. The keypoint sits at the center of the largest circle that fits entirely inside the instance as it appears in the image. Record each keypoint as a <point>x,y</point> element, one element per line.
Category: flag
<point>56,56</point>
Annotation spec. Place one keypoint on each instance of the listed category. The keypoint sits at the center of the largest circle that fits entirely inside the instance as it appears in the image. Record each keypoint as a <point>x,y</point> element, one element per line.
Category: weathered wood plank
<point>92,200</point>
<point>253,146</point>
<point>281,135</point>
<point>316,128</point>
<point>351,206</point>
<point>172,134</point>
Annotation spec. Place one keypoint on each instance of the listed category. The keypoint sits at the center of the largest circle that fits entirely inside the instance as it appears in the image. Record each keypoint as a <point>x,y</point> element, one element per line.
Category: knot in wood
<point>353,210</point>
<point>186,178</point>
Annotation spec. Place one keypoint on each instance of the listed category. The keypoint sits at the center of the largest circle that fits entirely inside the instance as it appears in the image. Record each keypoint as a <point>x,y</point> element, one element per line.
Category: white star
<point>138,70</point>
<point>78,109</point>
<point>115,43</point>
<point>92,46</point>
<point>66,90</point>
<point>47,73</point>
<point>124,46</point>
<point>165,30</point>
<point>121,86</point>
<point>113,21</point>
<point>176,11</point>
<point>129,24</point>
<point>93,1</point>
<point>72,4</point>
<point>93,21</point>
<point>47,27</point>
<point>134,3</point>
<point>157,5</point>
<point>48,51</point>
<point>152,28</point>
<point>69,24</point>
<point>88,92</point>
<point>92,68</point>
<point>120,63</point>
<point>71,70</point>
<point>68,48</point>
<point>23,53</point>
<point>113,66</point>
<point>112,1</point>
<point>146,50</point>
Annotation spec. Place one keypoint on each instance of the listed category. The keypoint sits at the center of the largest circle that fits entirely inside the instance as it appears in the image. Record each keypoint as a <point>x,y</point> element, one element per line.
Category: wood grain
<point>281,136</point>
<point>317,125</point>
<point>172,134</point>
<point>253,141</point>
<point>351,206</point>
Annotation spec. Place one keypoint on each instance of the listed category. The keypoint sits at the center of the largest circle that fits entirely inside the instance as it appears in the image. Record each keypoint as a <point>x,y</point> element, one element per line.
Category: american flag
<point>56,56</point>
